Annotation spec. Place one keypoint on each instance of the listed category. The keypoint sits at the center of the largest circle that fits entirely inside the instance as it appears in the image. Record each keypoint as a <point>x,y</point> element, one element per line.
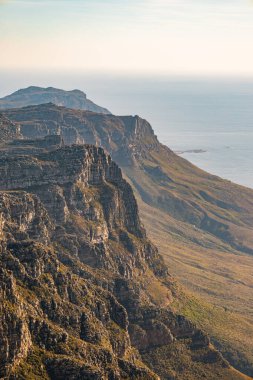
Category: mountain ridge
<point>39,95</point>
<point>200,223</point>
<point>133,145</point>
<point>84,292</point>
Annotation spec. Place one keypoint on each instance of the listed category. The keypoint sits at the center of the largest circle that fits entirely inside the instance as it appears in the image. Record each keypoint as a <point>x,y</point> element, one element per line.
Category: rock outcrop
<point>84,294</point>
<point>8,130</point>
<point>126,138</point>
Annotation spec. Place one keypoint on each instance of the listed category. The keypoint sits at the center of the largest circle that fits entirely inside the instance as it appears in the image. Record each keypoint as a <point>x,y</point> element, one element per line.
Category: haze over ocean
<point>209,120</point>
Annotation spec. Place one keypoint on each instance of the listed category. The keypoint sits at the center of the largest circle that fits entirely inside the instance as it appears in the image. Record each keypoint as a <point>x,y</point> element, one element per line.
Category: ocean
<point>207,121</point>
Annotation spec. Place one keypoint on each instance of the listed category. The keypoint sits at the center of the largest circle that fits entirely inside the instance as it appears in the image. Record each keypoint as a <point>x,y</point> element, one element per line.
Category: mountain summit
<point>33,95</point>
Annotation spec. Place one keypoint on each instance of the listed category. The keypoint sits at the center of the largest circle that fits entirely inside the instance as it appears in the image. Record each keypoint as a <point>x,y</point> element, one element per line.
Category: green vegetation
<point>230,332</point>
<point>33,367</point>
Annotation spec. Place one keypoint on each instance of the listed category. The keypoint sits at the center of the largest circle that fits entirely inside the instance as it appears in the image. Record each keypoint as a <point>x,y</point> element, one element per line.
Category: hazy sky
<point>142,36</point>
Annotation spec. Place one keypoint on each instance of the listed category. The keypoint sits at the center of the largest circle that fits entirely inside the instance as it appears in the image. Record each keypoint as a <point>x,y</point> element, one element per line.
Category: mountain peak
<point>34,95</point>
<point>78,92</point>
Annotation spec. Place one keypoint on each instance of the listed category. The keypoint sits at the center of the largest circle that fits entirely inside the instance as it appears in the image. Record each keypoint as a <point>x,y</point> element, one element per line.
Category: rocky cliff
<point>161,178</point>
<point>201,223</point>
<point>84,294</point>
<point>8,130</point>
<point>38,95</point>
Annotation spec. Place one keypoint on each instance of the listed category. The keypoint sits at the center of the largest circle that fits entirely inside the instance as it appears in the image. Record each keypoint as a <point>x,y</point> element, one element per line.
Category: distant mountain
<point>33,95</point>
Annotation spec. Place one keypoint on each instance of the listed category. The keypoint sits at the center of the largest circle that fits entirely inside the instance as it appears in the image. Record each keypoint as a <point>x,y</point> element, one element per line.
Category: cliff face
<point>84,294</point>
<point>127,138</point>
<point>201,223</point>
<point>75,99</point>
<point>8,130</point>
<point>162,179</point>
<point>62,179</point>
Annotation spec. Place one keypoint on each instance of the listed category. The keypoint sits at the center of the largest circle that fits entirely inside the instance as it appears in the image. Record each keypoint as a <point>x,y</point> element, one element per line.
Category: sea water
<point>207,121</point>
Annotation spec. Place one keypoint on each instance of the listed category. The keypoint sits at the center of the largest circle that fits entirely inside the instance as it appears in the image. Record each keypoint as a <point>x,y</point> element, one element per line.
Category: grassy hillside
<point>219,285</point>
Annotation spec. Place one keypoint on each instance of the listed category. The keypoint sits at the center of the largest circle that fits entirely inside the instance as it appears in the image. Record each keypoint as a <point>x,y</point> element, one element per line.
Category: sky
<point>183,37</point>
